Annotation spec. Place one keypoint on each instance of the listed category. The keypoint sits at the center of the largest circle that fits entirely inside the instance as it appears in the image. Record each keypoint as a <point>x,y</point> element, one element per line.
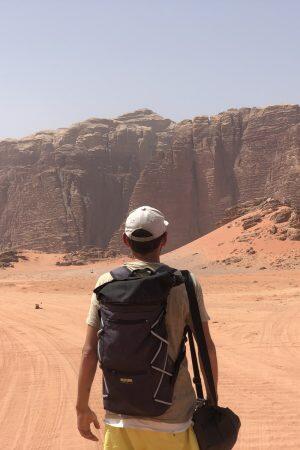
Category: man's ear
<point>164,240</point>
<point>125,239</point>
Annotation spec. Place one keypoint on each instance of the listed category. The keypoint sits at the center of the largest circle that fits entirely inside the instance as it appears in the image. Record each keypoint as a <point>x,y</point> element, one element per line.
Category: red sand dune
<point>253,321</point>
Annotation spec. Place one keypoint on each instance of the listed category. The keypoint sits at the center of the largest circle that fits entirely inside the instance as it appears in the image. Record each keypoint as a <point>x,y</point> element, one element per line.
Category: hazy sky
<point>64,61</point>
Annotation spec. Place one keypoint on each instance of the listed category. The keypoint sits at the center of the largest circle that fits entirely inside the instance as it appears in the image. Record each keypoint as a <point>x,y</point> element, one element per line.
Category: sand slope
<point>255,324</point>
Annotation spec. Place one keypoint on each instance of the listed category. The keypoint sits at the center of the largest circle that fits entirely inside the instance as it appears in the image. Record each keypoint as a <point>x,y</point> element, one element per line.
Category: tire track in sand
<point>38,387</point>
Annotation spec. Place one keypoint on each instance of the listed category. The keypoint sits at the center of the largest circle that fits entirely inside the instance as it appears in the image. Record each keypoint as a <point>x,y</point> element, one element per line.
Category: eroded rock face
<point>66,189</point>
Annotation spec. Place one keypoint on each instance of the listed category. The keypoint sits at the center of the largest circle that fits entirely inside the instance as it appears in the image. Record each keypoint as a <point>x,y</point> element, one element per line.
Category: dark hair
<point>144,247</point>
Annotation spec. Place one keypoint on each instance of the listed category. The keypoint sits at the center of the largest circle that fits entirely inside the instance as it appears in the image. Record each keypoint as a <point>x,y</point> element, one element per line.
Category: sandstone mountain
<point>71,188</point>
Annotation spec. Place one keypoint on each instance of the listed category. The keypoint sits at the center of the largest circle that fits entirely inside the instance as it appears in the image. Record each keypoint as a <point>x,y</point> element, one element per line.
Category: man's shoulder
<point>104,278</point>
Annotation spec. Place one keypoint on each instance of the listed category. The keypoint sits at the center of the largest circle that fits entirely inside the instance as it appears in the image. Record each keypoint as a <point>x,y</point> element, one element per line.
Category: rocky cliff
<point>65,189</point>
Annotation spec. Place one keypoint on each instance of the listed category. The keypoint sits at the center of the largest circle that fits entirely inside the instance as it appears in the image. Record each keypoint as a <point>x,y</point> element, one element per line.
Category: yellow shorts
<point>116,438</point>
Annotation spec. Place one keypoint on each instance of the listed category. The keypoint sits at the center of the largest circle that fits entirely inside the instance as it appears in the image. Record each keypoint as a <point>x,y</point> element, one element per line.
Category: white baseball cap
<point>148,219</point>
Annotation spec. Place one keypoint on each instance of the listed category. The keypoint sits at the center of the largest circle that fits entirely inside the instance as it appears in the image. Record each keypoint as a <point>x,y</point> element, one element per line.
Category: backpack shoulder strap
<point>199,334</point>
<point>120,273</point>
<point>177,275</point>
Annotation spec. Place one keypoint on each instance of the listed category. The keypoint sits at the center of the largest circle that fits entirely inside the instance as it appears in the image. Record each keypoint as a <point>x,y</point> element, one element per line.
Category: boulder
<point>250,222</point>
<point>7,258</point>
<point>282,215</point>
<point>293,234</point>
<point>294,221</point>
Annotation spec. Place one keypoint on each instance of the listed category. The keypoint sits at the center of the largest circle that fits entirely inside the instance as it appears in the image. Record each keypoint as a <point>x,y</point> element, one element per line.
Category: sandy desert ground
<point>254,321</point>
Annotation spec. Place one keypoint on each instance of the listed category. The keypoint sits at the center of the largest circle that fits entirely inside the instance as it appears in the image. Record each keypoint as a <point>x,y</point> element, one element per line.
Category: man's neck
<point>151,259</point>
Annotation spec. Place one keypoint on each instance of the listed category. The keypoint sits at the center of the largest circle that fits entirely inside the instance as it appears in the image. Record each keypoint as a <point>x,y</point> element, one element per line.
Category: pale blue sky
<point>64,61</point>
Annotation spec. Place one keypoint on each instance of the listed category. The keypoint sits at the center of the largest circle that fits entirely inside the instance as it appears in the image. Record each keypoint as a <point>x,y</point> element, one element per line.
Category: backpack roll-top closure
<point>138,373</point>
<point>135,290</point>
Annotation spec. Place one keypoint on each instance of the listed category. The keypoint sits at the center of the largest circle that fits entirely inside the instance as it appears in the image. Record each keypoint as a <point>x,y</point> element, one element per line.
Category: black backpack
<point>138,373</point>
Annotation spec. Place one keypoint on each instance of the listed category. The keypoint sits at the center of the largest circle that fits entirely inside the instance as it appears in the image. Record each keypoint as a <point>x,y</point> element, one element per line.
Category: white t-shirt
<point>144,424</point>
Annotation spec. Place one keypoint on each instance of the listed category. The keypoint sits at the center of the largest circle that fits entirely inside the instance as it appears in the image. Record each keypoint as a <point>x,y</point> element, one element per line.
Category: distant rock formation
<point>9,257</point>
<point>72,188</point>
<point>265,220</point>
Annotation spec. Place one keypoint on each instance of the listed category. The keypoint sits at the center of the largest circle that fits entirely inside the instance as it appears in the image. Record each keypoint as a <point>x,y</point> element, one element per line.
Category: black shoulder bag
<point>216,428</point>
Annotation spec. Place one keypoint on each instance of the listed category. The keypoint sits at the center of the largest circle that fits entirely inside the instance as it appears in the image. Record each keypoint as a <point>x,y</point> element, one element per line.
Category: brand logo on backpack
<point>138,373</point>
<point>126,380</point>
